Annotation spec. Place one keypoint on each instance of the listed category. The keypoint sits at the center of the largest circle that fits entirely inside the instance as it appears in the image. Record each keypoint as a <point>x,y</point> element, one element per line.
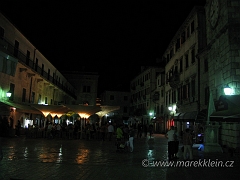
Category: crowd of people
<point>120,133</point>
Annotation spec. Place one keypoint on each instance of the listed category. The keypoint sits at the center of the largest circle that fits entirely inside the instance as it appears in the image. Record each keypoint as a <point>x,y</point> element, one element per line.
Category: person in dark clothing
<point>140,129</point>
<point>18,128</point>
<point>170,135</point>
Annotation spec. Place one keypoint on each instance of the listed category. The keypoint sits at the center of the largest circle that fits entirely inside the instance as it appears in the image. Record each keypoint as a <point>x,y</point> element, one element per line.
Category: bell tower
<point>223,45</point>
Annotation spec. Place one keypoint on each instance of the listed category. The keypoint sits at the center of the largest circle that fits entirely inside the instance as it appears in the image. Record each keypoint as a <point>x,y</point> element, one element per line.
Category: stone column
<point>211,138</point>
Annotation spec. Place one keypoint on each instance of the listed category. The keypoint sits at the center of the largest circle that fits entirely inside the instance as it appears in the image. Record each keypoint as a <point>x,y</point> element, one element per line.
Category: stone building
<point>220,62</point>
<point>120,102</point>
<point>182,94</point>
<point>144,95</point>
<point>38,90</point>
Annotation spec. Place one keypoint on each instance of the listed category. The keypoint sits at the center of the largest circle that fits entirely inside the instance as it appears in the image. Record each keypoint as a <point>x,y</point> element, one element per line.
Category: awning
<point>24,108</point>
<point>83,110</point>
<point>227,107</point>
<point>190,116</point>
<point>53,110</point>
<point>181,116</point>
<point>185,116</point>
<point>176,116</point>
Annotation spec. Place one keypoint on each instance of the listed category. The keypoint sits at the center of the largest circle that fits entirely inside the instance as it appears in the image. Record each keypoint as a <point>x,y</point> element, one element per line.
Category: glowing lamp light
<point>228,90</point>
<point>170,108</point>
<point>8,94</point>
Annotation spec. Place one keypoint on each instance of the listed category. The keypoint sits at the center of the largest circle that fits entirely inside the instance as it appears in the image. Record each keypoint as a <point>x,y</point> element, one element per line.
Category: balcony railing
<point>9,49</point>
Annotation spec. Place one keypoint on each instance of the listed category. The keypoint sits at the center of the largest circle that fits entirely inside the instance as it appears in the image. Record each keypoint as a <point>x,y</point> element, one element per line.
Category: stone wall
<point>230,135</point>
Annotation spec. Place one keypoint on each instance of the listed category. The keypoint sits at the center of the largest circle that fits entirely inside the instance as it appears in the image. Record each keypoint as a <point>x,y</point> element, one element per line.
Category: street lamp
<point>8,94</point>
<point>228,90</point>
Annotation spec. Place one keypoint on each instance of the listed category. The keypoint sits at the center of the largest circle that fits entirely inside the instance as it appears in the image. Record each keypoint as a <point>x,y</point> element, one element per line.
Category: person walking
<point>110,131</point>
<point>170,135</point>
<point>187,144</point>
<point>131,138</point>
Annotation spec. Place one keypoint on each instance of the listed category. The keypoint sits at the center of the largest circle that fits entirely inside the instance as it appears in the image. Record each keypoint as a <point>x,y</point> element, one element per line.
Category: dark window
<point>86,89</point>
<point>192,27</point>
<point>178,44</point>
<point>193,56</point>
<point>16,47</point>
<point>181,65</point>
<point>125,98</point>
<point>193,87</point>
<point>1,32</point>
<point>187,32</point>
<point>27,57</point>
<point>36,64</point>
<point>176,70</point>
<point>161,108</point>
<point>171,53</point>
<point>24,95</point>
<point>42,69</point>
<point>49,74</point>
<point>125,109</point>
<point>187,90</point>
<point>111,97</point>
<point>183,37</point>
<point>205,65</point>
<point>186,61</point>
<point>46,102</point>
<point>174,98</point>
<point>33,97</point>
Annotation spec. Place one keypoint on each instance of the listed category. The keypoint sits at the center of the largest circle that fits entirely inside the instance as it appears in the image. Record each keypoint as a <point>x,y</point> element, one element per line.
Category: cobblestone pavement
<point>50,159</point>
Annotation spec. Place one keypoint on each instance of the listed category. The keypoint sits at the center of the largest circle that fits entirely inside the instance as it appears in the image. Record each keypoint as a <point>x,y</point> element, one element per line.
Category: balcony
<point>7,48</point>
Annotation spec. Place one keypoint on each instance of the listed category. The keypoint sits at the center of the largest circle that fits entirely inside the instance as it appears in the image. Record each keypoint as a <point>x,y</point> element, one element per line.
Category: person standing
<point>170,135</point>
<point>119,134</point>
<point>140,129</point>
<point>18,128</point>
<point>110,131</point>
<point>187,144</point>
<point>150,129</point>
<point>103,131</point>
<point>131,138</point>
<point>176,143</point>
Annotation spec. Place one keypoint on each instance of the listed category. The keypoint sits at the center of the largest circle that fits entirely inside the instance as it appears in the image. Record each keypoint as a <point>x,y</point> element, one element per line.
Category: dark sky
<point>114,38</point>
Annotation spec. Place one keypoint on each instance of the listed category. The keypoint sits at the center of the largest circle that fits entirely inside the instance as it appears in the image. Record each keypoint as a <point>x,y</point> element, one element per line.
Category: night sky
<point>114,38</point>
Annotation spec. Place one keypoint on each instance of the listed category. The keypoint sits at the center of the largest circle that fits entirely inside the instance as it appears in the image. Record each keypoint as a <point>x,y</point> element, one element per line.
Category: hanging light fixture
<point>9,94</point>
<point>227,90</point>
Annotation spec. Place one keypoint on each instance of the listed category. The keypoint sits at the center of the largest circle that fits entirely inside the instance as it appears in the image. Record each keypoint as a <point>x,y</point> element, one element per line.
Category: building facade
<point>220,64</point>
<point>181,71</point>
<point>86,84</point>
<point>116,99</point>
<point>144,95</point>
<point>32,81</point>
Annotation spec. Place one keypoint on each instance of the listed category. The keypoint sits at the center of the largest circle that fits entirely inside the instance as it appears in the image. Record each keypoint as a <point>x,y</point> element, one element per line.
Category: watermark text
<point>197,163</point>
